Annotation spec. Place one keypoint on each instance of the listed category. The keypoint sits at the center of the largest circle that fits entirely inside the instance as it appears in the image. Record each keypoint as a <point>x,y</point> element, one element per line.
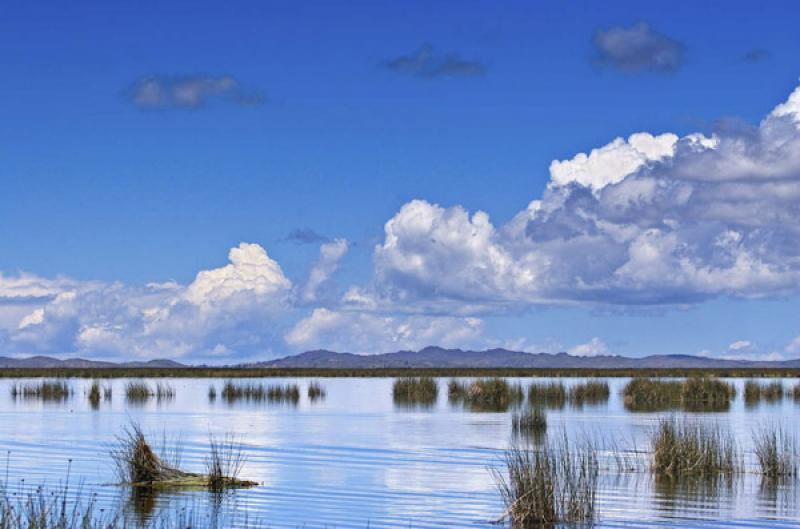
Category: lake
<point>355,459</point>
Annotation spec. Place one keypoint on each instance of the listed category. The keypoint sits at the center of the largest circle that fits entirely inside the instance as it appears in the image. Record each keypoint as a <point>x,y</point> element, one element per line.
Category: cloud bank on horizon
<point>648,220</point>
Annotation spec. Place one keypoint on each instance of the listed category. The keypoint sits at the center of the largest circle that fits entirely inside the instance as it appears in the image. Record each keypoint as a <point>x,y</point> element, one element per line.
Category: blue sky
<point>140,143</point>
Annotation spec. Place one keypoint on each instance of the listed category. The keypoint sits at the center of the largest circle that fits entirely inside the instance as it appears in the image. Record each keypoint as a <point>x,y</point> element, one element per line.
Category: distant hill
<point>431,357</point>
<point>437,357</point>
<point>41,362</point>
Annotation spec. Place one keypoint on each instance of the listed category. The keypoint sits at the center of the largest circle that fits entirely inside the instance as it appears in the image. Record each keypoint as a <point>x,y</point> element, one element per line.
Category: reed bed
<point>755,392</point>
<point>707,393</point>
<point>648,393</point>
<point>795,393</point>
<point>138,391</point>
<point>486,394</point>
<point>694,393</point>
<point>549,394</point>
<point>553,484</point>
<point>315,391</point>
<point>693,449</point>
<point>775,449</point>
<point>247,391</point>
<point>212,393</point>
<point>289,393</point>
<point>46,390</point>
<point>589,392</point>
<point>415,390</point>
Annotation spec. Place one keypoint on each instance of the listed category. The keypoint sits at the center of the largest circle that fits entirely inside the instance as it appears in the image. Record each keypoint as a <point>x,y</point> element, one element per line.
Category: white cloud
<point>236,306</point>
<point>359,332</point>
<point>594,347</point>
<point>611,163</point>
<point>329,256</point>
<point>794,346</point>
<point>739,345</point>
<point>649,221</point>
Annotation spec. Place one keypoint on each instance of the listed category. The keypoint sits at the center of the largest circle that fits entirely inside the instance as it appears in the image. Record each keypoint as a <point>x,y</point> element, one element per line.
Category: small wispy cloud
<point>189,92</point>
<point>306,236</point>
<point>424,64</point>
<point>638,48</point>
<point>756,55</point>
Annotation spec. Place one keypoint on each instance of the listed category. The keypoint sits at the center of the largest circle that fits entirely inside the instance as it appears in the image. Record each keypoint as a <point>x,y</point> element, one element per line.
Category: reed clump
<point>776,452</point>
<point>98,392</point>
<point>47,390</point>
<point>137,391</point>
<point>553,484</point>
<point>224,463</point>
<point>755,392</point>
<point>492,394</point>
<point>289,393</point>
<point>415,390</point>
<point>212,393</point>
<point>138,465</point>
<point>247,391</point>
<point>456,390</point>
<point>549,394</point>
<point>707,392</point>
<point>795,393</point>
<point>315,391</point>
<point>651,394</point>
<point>694,449</point>
<point>590,392</point>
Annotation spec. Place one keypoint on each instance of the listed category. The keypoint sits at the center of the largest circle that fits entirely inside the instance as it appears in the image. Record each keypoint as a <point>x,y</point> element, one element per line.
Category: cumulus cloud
<point>424,64</point>
<point>367,333</point>
<point>234,307</point>
<point>638,48</point>
<point>651,220</point>
<point>329,256</point>
<point>594,347</point>
<point>190,92</point>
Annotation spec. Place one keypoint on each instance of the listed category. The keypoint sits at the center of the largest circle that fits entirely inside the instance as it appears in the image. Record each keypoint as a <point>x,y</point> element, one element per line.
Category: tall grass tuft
<point>693,449</point>
<point>212,393</point>
<point>315,391</point>
<point>135,460</point>
<point>224,463</point>
<point>164,391</point>
<point>137,391</point>
<point>651,394</point>
<point>590,392</point>
<point>549,394</point>
<point>47,390</point>
<point>549,485</point>
<point>776,452</point>
<point>415,390</point>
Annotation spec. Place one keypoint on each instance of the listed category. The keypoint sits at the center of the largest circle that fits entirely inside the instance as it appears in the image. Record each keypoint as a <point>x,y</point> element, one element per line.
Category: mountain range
<point>438,357</point>
<point>431,357</point>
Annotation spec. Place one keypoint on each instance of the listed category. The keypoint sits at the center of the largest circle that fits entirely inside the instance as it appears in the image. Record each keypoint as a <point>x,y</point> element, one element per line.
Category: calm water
<point>355,459</point>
